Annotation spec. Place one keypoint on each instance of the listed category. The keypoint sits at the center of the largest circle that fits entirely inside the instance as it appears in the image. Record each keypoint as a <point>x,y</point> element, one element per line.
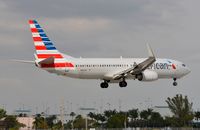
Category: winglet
<point>150,52</point>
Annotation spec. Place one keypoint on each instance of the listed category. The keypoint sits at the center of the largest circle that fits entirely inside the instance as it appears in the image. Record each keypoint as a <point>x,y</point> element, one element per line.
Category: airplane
<point>108,70</point>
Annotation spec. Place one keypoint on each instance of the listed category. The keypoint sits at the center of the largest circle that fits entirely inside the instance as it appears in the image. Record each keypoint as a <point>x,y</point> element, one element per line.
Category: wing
<point>137,68</point>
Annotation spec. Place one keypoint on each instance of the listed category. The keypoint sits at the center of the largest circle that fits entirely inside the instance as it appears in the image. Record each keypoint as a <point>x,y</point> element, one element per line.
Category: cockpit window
<point>183,65</point>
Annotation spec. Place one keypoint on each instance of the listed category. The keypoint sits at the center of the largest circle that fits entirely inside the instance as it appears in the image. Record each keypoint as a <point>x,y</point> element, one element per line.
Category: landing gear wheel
<point>123,84</point>
<point>175,83</point>
<point>104,85</point>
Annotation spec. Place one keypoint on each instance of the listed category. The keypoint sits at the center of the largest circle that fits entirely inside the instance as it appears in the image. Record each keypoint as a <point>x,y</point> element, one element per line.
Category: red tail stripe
<point>37,39</point>
<point>69,64</point>
<point>31,22</point>
<point>34,30</point>
<point>49,55</point>
<point>57,65</point>
<point>40,48</point>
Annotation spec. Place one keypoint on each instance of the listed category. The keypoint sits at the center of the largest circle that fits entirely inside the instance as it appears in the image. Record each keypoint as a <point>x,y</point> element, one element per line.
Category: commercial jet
<point>109,70</point>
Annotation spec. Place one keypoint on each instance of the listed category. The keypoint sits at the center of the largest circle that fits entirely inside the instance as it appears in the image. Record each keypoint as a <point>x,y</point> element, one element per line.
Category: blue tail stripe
<point>45,39</point>
<point>51,48</point>
<point>48,43</point>
<point>37,26</point>
<point>43,35</point>
<point>40,30</point>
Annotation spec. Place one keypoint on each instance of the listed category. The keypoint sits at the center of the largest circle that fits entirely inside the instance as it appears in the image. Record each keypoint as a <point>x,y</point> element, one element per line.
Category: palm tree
<point>197,115</point>
<point>92,115</point>
<point>109,113</point>
<point>146,114</point>
<point>181,108</point>
<point>72,114</point>
<point>133,114</point>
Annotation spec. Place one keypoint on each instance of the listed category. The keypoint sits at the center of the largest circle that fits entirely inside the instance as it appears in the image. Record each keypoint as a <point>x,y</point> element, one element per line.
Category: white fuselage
<point>104,68</point>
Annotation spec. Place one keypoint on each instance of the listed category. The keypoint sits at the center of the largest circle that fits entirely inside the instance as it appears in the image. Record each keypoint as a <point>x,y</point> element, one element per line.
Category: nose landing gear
<point>175,83</point>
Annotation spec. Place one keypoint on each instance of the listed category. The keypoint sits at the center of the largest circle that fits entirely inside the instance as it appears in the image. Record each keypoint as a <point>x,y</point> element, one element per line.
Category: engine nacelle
<point>148,75</point>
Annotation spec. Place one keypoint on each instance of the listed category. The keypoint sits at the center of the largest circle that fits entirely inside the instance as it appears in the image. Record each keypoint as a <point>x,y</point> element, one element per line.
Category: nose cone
<point>186,71</point>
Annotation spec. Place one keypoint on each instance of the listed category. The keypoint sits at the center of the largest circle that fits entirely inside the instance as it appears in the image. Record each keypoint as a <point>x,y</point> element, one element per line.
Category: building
<point>27,121</point>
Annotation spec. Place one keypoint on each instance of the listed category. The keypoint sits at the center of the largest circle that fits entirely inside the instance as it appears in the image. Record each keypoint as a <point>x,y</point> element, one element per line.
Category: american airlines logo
<point>163,66</point>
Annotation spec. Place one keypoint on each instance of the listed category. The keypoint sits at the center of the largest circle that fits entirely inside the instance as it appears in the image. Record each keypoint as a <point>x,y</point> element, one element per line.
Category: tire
<point>123,84</point>
<point>175,83</point>
<point>104,85</point>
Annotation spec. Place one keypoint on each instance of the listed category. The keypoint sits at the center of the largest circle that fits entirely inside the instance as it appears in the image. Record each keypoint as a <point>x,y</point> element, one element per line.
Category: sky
<point>97,28</point>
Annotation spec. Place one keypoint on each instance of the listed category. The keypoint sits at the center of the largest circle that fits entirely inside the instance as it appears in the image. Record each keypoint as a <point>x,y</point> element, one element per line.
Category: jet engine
<point>147,75</point>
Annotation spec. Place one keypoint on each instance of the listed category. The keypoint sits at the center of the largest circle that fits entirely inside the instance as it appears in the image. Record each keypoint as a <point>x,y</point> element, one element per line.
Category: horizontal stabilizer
<point>47,61</point>
<point>23,61</point>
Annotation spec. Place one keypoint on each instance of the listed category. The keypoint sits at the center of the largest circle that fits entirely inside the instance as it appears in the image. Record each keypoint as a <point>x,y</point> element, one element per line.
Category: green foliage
<point>57,126</point>
<point>116,121</point>
<point>145,114</point>
<point>155,116</point>
<point>181,109</point>
<point>133,113</point>
<point>12,122</point>
<point>50,121</point>
<point>197,115</point>
<point>2,113</point>
<point>68,125</point>
<point>79,122</point>
<point>109,113</point>
<point>72,114</point>
<point>40,122</point>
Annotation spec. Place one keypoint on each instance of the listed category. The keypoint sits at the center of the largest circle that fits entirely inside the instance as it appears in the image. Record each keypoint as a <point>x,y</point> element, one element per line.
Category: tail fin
<point>44,47</point>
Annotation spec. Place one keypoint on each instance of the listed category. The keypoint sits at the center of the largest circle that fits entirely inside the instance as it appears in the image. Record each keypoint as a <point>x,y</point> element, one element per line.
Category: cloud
<point>75,25</point>
<point>97,28</point>
<point>10,82</point>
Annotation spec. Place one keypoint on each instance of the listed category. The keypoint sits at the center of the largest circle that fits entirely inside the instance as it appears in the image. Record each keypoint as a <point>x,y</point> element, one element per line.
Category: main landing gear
<point>123,84</point>
<point>175,83</point>
<point>105,84</point>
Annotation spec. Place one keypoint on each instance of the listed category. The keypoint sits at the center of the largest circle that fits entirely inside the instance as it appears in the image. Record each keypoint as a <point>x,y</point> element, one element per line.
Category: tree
<point>58,125</point>
<point>12,122</point>
<point>50,121</point>
<point>116,121</point>
<point>92,115</point>
<point>156,120</point>
<point>155,116</point>
<point>72,114</point>
<point>40,122</point>
<point>133,113</point>
<point>181,109</point>
<point>2,113</point>
<point>100,118</point>
<point>79,122</point>
<point>197,115</point>
<point>146,114</point>
<point>109,113</point>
